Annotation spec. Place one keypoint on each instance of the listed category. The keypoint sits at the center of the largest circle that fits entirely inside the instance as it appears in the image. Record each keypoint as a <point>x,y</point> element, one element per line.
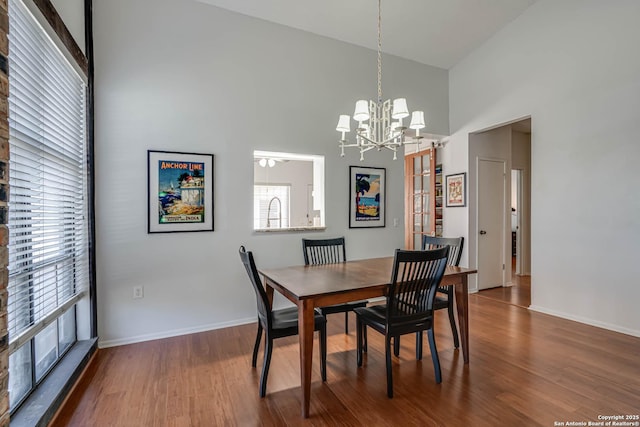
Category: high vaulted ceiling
<point>433,32</point>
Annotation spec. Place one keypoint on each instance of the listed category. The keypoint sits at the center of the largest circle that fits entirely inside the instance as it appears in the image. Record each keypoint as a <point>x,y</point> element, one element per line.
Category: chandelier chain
<point>379,52</point>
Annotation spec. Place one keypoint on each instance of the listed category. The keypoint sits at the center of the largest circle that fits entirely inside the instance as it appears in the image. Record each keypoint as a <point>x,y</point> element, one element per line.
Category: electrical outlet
<point>395,222</point>
<point>138,292</point>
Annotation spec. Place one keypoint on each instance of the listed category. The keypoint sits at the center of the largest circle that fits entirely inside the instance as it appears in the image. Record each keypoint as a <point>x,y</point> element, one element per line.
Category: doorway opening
<point>500,211</point>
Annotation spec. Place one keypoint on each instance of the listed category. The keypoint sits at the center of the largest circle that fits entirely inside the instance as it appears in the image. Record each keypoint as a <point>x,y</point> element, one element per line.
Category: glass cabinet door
<point>420,199</point>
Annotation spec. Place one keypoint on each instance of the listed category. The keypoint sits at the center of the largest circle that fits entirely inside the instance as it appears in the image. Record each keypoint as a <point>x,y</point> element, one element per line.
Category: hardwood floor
<point>526,369</point>
<point>519,294</point>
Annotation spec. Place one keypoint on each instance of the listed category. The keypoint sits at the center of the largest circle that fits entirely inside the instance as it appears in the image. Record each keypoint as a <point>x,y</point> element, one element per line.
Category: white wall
<point>572,66</point>
<point>184,76</point>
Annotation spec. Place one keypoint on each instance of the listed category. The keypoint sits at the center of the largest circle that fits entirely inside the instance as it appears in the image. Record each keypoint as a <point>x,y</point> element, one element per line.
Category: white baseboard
<point>211,327</point>
<point>592,322</point>
<point>173,333</point>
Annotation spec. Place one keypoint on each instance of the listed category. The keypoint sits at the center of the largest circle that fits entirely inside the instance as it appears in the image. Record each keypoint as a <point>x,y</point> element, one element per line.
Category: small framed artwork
<point>367,187</point>
<point>179,192</point>
<point>456,189</point>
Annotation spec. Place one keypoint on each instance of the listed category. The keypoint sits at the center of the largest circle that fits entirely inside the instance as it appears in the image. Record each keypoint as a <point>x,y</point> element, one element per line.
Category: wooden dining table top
<point>310,281</point>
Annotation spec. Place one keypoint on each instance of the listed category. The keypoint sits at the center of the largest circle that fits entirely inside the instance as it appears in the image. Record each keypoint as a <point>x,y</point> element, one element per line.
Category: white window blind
<point>271,206</point>
<point>48,232</point>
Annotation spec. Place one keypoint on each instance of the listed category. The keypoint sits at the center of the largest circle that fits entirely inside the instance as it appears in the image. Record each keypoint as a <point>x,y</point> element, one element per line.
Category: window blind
<point>48,232</point>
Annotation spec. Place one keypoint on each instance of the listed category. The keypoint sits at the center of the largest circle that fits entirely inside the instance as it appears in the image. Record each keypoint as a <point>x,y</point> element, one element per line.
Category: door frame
<point>519,214</point>
<point>409,194</point>
<point>477,215</point>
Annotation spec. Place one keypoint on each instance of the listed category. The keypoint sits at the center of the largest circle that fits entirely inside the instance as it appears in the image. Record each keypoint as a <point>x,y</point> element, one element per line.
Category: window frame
<point>318,184</point>
<point>81,65</point>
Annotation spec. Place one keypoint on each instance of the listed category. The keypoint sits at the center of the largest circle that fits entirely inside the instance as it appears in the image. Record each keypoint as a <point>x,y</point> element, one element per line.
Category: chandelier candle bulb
<point>395,132</point>
<point>366,130</point>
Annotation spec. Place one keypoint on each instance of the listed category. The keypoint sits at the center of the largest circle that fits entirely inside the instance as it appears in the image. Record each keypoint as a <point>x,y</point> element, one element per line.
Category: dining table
<point>311,286</point>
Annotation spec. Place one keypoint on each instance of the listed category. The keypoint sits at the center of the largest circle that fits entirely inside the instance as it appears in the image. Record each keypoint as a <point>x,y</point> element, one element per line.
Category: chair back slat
<point>264,307</point>
<point>455,247</point>
<point>414,281</point>
<point>455,251</point>
<point>324,251</point>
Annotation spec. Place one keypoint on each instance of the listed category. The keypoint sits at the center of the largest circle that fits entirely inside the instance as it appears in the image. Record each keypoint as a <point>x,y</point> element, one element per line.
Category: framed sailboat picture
<point>179,191</point>
<point>367,187</point>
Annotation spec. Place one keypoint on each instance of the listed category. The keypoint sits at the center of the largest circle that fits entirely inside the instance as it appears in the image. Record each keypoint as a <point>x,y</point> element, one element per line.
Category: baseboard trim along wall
<point>174,333</point>
<point>587,321</point>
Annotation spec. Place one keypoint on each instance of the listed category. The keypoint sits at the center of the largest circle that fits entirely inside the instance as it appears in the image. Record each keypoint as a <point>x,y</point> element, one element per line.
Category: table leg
<point>305,331</point>
<point>269,290</point>
<point>462,304</point>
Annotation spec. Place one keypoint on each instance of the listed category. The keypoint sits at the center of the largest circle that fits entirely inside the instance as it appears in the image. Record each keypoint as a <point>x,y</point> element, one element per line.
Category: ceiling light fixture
<point>264,162</point>
<point>380,131</point>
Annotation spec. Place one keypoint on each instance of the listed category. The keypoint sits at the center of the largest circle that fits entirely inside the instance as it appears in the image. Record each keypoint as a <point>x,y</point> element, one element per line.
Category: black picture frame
<point>179,191</point>
<point>367,197</point>
<point>456,186</point>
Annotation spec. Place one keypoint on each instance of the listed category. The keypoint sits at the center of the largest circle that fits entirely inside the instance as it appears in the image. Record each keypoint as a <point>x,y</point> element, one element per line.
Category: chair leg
<point>323,352</point>
<point>268,348</point>
<point>419,345</point>
<point>387,351</point>
<point>434,355</point>
<point>359,328</point>
<point>396,346</point>
<point>346,322</point>
<point>452,320</point>
<point>257,345</point>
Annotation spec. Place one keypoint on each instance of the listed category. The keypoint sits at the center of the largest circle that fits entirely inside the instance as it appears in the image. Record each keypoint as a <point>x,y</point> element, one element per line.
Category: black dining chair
<point>277,323</point>
<point>445,297</point>
<point>409,304</point>
<point>330,251</point>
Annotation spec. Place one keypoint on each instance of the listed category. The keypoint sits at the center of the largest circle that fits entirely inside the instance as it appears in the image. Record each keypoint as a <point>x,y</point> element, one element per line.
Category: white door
<point>491,223</point>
